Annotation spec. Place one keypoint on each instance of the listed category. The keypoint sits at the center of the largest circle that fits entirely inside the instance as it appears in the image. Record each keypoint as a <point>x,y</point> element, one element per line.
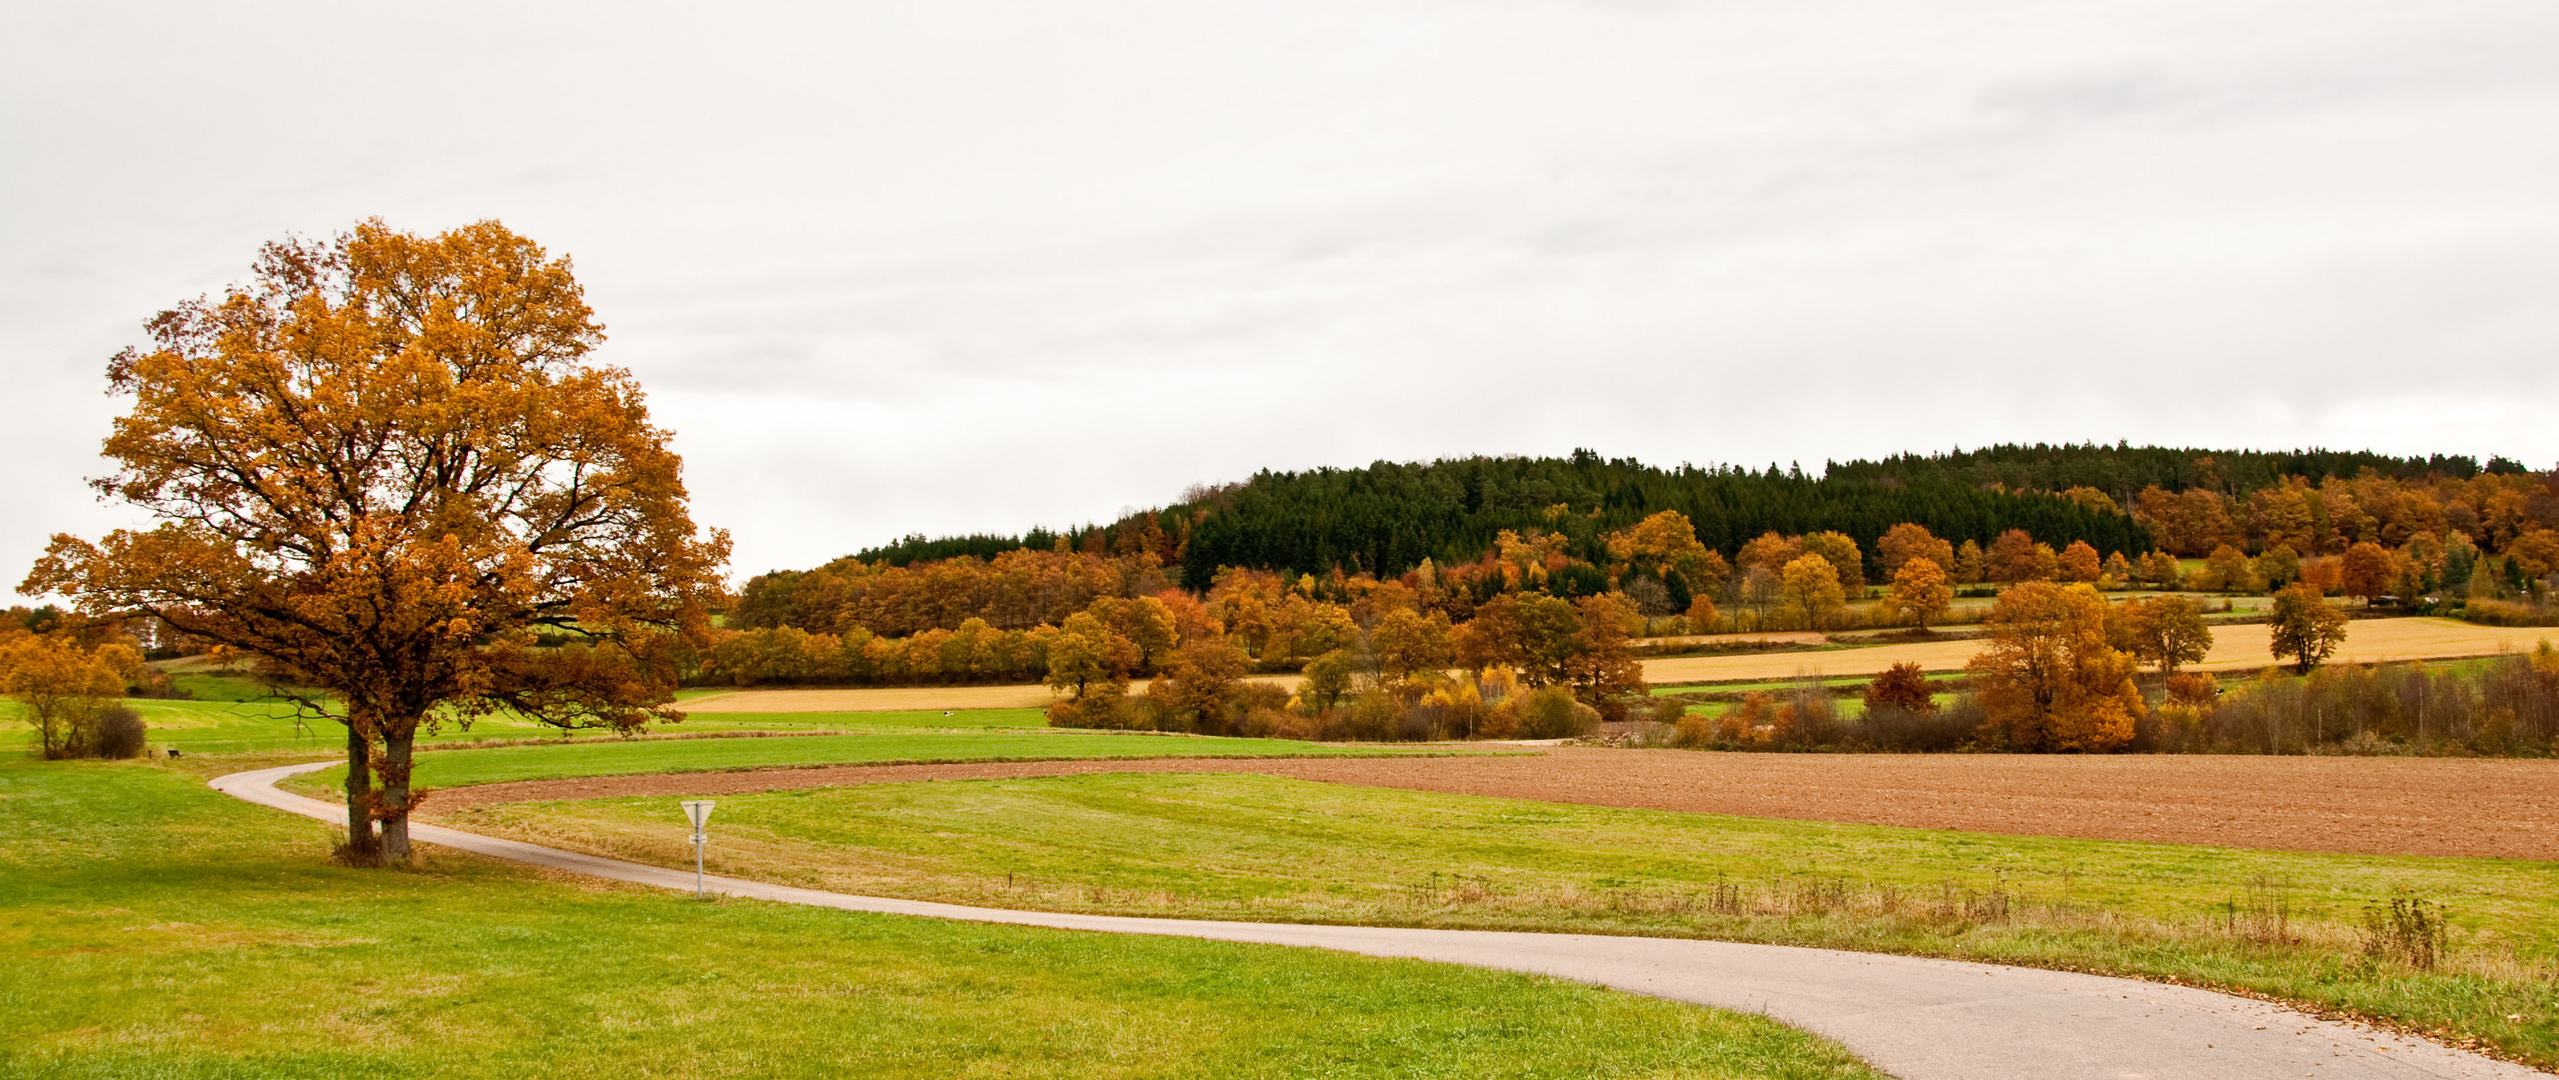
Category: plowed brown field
<point>2401,806</point>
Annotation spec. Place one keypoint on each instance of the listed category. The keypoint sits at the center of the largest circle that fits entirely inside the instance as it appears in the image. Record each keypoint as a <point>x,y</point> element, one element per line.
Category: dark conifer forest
<point>1387,517</point>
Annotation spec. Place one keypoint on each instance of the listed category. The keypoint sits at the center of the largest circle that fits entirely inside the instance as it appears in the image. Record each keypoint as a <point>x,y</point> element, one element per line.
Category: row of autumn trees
<point>1001,619</point>
<point>930,619</point>
<point>1387,517</point>
<point>1486,647</point>
<point>2058,675</point>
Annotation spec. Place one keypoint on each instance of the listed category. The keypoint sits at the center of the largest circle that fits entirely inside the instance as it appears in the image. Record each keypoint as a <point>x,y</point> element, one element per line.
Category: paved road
<point>1915,1018</point>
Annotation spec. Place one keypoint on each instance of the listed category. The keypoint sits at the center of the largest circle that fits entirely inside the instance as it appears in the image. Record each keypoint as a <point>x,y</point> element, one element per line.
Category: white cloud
<point>974,266</point>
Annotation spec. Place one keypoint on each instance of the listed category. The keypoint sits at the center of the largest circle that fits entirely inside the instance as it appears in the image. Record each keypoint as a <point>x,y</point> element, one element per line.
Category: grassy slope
<point>1274,849</point>
<point>154,928</point>
<point>229,715</point>
<point>621,758</point>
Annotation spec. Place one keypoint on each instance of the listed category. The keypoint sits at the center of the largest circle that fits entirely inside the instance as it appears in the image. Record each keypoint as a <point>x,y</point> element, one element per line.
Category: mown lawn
<point>1246,847</point>
<point>492,765</point>
<point>230,715</point>
<point>154,928</point>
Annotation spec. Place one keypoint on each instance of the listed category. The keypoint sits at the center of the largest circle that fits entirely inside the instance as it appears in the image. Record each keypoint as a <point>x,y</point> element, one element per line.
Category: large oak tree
<point>383,469</point>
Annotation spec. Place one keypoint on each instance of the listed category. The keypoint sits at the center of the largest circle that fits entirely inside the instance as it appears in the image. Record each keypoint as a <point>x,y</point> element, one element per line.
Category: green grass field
<point>492,765</point>
<point>233,715</point>
<point>1265,848</point>
<point>157,929</point>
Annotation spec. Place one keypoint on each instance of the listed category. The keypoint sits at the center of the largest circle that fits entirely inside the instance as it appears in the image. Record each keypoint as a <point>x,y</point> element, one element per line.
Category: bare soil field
<point>2379,806</point>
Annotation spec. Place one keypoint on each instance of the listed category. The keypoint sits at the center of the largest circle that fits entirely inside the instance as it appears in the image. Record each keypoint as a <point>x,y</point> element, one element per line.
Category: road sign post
<point>699,812</point>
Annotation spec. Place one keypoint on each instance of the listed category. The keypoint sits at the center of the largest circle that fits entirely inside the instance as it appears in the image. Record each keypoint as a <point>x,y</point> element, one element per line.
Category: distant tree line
<point>2123,469</point>
<point>1386,518</point>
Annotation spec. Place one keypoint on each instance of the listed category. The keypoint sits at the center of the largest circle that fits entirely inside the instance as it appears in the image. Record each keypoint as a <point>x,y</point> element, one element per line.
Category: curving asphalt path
<point>1916,1018</point>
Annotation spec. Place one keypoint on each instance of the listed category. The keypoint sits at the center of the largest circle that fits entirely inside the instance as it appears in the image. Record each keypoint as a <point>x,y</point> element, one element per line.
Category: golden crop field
<point>2234,648</point>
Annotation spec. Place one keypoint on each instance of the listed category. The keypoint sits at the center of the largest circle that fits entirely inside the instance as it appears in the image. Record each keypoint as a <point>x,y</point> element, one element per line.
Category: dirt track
<point>2405,806</point>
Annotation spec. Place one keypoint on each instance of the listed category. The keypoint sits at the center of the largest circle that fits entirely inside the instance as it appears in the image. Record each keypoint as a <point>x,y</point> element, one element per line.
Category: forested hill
<point>1387,517</point>
<point>2122,470</point>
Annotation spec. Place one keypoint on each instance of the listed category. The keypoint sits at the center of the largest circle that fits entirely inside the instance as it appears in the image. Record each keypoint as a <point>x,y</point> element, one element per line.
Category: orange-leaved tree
<point>383,470</point>
<point>1919,593</point>
<point>2302,627</point>
<point>1908,541</point>
<point>2368,569</point>
<point>2165,630</point>
<point>1665,546</point>
<point>2050,679</point>
<point>61,687</point>
<point>1811,590</point>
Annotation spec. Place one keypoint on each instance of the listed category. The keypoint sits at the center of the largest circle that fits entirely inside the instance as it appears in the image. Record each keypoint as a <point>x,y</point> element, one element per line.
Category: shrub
<point>1665,710</point>
<point>1551,713</point>
<point>1374,716</point>
<point>2193,688</point>
<point>116,731</point>
<point>1694,731</point>
<point>1099,708</point>
<point>1805,719</point>
<point>2508,613</point>
<point>2405,929</point>
<point>1931,731</point>
<point>1901,686</point>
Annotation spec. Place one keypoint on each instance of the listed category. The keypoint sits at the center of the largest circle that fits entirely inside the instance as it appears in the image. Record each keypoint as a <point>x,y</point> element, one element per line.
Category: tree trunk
<point>396,759</point>
<point>360,842</point>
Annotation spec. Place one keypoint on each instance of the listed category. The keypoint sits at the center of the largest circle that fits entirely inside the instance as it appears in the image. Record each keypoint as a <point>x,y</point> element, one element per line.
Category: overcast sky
<point>957,266</point>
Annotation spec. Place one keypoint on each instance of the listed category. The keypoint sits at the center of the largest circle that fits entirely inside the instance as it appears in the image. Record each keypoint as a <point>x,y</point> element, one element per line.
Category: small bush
<point>1694,731</point>
<point>2193,688</point>
<point>1551,713</point>
<point>117,731</point>
<point>1105,708</point>
<point>2405,929</point>
<point>1933,731</point>
<point>1665,710</point>
<point>1902,686</point>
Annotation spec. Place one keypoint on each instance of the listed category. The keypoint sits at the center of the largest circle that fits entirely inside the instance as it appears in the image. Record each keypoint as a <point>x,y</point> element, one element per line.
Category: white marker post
<point>699,810</point>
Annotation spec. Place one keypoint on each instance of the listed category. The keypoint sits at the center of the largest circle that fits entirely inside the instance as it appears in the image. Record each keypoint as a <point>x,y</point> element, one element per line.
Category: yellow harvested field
<point>1790,637</point>
<point>2234,648</point>
<point>901,698</point>
<point>872,699</point>
<point>1933,656</point>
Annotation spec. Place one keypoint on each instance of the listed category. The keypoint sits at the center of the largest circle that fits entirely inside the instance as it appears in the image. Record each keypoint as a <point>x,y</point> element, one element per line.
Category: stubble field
<point>2234,648</point>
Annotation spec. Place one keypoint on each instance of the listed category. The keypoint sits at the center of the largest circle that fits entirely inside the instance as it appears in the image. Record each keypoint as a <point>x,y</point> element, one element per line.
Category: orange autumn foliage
<point>2050,679</point>
<point>380,467</point>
